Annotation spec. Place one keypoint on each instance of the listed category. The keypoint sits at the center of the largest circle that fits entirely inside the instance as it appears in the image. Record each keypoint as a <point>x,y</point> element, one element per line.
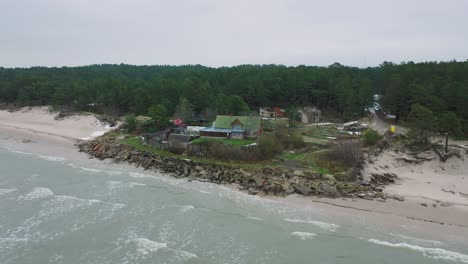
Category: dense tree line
<point>346,91</point>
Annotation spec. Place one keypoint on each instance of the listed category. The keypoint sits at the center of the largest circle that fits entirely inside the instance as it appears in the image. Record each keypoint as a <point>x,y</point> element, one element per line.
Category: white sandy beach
<point>441,186</point>
<point>40,120</point>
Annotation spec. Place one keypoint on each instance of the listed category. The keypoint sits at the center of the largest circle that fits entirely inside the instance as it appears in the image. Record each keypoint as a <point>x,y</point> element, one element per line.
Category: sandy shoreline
<point>41,121</point>
<point>37,131</point>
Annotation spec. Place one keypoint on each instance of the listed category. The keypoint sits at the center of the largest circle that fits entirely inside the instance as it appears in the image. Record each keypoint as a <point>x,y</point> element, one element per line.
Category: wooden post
<point>446,142</point>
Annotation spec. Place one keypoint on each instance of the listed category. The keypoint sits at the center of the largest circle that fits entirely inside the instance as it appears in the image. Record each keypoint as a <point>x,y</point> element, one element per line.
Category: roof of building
<point>195,128</point>
<point>249,123</point>
<point>309,109</point>
<point>268,109</point>
<point>179,138</point>
<point>222,130</point>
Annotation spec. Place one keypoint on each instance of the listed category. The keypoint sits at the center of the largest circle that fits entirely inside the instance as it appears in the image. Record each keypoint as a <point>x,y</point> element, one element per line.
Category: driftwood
<point>445,156</point>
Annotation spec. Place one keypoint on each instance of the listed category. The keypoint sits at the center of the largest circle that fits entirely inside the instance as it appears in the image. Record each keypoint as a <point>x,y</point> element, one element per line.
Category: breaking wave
<point>145,248</point>
<point>109,172</point>
<point>254,218</point>
<point>44,157</point>
<point>436,253</point>
<point>186,208</point>
<point>37,193</point>
<point>7,191</point>
<point>51,158</point>
<point>323,225</point>
<point>303,235</point>
<point>140,175</point>
<point>419,240</point>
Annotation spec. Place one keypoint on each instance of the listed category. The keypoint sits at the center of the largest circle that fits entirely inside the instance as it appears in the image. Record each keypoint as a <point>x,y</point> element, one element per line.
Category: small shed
<point>310,114</point>
<point>267,112</point>
<point>272,112</point>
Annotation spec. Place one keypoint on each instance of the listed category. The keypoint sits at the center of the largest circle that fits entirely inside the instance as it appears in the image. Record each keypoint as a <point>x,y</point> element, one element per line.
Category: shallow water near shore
<point>59,210</point>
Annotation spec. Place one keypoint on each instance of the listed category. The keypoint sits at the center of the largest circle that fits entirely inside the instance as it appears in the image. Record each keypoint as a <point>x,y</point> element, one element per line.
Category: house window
<point>236,124</point>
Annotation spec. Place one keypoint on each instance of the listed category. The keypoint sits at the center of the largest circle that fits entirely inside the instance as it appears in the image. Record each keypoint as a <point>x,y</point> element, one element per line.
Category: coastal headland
<point>426,192</point>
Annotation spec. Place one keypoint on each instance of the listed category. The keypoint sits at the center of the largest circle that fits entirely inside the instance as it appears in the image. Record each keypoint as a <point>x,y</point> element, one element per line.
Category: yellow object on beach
<point>392,129</point>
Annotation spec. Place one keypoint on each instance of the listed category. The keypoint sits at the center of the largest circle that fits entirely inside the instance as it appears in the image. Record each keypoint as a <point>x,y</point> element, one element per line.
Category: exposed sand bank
<point>436,195</point>
<point>430,180</point>
<point>40,120</point>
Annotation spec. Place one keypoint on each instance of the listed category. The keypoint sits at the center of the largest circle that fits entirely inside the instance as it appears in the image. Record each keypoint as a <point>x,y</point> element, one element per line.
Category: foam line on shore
<point>435,253</point>
<point>323,225</point>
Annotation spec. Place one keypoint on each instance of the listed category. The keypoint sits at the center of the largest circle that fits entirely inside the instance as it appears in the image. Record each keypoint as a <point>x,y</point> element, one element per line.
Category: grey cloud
<point>222,32</point>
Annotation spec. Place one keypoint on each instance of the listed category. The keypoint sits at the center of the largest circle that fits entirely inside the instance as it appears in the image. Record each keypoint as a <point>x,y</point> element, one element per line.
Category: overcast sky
<point>231,32</point>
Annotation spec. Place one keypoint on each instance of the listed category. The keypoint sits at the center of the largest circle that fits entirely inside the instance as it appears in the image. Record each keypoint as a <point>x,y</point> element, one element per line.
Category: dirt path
<point>381,126</point>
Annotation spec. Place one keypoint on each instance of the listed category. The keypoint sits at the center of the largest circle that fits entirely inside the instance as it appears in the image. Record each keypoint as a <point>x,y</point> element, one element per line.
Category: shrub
<point>370,137</point>
<point>295,141</point>
<point>268,146</point>
<point>130,122</point>
<point>220,150</point>
<point>288,141</point>
<point>348,152</point>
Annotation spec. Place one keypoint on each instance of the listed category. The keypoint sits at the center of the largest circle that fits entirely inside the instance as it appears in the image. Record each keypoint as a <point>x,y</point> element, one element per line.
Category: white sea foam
<point>12,240</point>
<point>145,246</point>
<point>254,218</point>
<point>51,158</point>
<point>186,208</point>
<point>133,184</point>
<point>303,235</point>
<point>37,193</point>
<point>19,152</point>
<point>7,191</point>
<point>419,240</point>
<point>113,184</point>
<point>96,170</point>
<point>44,157</point>
<point>62,204</point>
<point>9,243</point>
<point>97,134</point>
<point>116,206</point>
<point>140,175</point>
<point>326,226</point>
<point>53,208</point>
<point>436,253</point>
<point>185,255</point>
<point>117,185</point>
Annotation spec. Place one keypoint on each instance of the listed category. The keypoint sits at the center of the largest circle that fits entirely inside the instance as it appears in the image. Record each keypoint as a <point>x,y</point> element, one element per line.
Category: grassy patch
<point>321,162</point>
<point>323,170</point>
<point>292,156</point>
<point>137,144</point>
<point>320,132</point>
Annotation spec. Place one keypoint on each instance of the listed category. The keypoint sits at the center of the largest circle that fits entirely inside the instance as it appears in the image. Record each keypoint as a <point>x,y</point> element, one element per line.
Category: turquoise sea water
<point>56,210</point>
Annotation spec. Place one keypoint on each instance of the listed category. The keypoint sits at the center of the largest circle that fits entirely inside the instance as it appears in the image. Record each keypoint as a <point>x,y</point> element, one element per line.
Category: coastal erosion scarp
<point>265,181</point>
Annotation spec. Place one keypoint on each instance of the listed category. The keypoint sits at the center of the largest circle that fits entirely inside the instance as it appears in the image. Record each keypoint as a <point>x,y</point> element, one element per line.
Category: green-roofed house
<point>234,127</point>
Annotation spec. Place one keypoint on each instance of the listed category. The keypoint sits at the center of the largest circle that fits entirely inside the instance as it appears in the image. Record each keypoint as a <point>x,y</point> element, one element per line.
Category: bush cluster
<point>268,146</point>
<point>223,151</point>
<point>370,137</point>
<point>348,152</point>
